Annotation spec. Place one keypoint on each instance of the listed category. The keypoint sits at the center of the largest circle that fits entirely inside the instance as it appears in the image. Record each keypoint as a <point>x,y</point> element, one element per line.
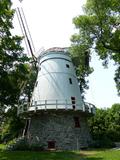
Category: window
<point>73,102</point>
<point>67,65</point>
<point>73,98</point>
<point>51,144</point>
<point>70,80</point>
<point>76,121</point>
<point>73,106</point>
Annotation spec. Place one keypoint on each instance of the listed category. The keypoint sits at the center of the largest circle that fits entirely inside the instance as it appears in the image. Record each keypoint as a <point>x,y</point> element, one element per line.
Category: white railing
<point>89,107</point>
<point>53,104</point>
<point>56,104</point>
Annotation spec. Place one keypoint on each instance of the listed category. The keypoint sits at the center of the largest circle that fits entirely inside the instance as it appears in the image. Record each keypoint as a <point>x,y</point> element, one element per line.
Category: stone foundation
<point>57,130</point>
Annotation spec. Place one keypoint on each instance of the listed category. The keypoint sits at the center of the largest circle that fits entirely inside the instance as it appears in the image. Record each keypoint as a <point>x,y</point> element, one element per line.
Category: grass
<point>108,154</point>
<point>60,155</point>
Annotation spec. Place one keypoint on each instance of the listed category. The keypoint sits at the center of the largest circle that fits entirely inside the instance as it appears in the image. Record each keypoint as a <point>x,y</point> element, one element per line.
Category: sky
<point>50,25</point>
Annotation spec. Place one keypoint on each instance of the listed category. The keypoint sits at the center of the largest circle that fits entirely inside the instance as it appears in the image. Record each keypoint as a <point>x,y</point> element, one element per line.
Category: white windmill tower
<point>56,86</point>
<point>57,115</point>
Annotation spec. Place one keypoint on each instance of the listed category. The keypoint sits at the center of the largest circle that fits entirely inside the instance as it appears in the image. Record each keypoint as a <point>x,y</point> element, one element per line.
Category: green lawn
<point>73,155</point>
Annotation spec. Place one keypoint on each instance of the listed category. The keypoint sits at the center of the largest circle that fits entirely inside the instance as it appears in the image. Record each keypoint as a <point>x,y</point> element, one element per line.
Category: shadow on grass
<point>89,155</point>
<point>58,155</point>
<point>93,158</point>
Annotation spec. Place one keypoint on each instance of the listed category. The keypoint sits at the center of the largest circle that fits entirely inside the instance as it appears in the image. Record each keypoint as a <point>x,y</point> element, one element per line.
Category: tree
<point>98,125</point>
<point>12,126</point>
<point>17,75</point>
<point>13,67</point>
<point>99,31</point>
<point>105,124</point>
<point>113,122</point>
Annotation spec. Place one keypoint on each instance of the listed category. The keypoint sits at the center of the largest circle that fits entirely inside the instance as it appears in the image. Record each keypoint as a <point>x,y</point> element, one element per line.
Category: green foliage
<point>97,124</point>
<point>102,143</point>
<point>113,122</point>
<point>18,144</point>
<point>98,31</point>
<point>16,78</point>
<point>105,125</point>
<point>22,144</point>
<point>13,67</point>
<point>29,86</point>
<point>81,61</point>
<point>2,147</point>
<point>12,126</point>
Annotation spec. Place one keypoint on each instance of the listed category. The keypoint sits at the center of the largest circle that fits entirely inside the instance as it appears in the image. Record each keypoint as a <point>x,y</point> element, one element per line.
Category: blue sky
<point>50,24</point>
<point>102,90</point>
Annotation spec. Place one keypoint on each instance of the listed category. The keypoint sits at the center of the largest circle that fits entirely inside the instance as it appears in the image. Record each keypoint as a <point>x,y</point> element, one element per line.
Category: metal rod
<point>21,27</point>
<point>28,29</point>
<point>25,32</point>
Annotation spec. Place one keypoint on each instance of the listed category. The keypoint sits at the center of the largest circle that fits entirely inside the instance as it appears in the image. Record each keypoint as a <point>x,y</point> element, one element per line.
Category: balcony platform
<point>57,105</point>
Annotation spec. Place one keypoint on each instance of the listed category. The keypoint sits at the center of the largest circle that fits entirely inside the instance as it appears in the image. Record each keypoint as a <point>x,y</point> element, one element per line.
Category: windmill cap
<point>55,50</point>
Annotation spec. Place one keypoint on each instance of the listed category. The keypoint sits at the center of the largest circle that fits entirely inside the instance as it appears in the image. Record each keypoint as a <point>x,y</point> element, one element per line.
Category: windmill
<point>56,115</point>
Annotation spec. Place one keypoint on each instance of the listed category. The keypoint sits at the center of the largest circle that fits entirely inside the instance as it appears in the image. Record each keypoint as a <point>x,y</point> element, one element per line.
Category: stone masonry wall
<point>60,128</point>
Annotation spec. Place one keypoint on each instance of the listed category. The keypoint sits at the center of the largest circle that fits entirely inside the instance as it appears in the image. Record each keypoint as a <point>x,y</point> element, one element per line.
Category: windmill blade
<point>30,37</point>
<point>21,27</point>
<point>26,33</point>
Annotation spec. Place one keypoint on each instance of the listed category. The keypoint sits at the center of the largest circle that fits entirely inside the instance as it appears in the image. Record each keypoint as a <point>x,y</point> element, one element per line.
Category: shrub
<point>18,144</point>
<point>103,143</point>
<point>36,147</point>
<point>22,144</point>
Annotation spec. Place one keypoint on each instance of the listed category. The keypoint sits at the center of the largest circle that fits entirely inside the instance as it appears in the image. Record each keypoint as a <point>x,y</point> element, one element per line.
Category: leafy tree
<point>28,86</point>
<point>106,124</point>
<point>113,122</point>
<point>81,61</point>
<point>17,75</point>
<point>99,31</point>
<point>98,125</point>
<point>12,126</point>
<point>13,69</point>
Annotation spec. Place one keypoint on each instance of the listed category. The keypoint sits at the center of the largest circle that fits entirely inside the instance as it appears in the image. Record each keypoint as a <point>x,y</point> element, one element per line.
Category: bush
<point>18,144</point>
<point>22,144</point>
<point>36,147</point>
<point>106,123</point>
<point>103,143</point>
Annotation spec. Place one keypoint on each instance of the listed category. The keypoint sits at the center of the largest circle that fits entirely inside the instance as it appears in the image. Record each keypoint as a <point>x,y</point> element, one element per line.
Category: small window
<point>51,144</point>
<point>73,102</point>
<point>73,98</point>
<point>67,65</point>
<point>77,123</point>
<point>73,106</point>
<point>70,80</point>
